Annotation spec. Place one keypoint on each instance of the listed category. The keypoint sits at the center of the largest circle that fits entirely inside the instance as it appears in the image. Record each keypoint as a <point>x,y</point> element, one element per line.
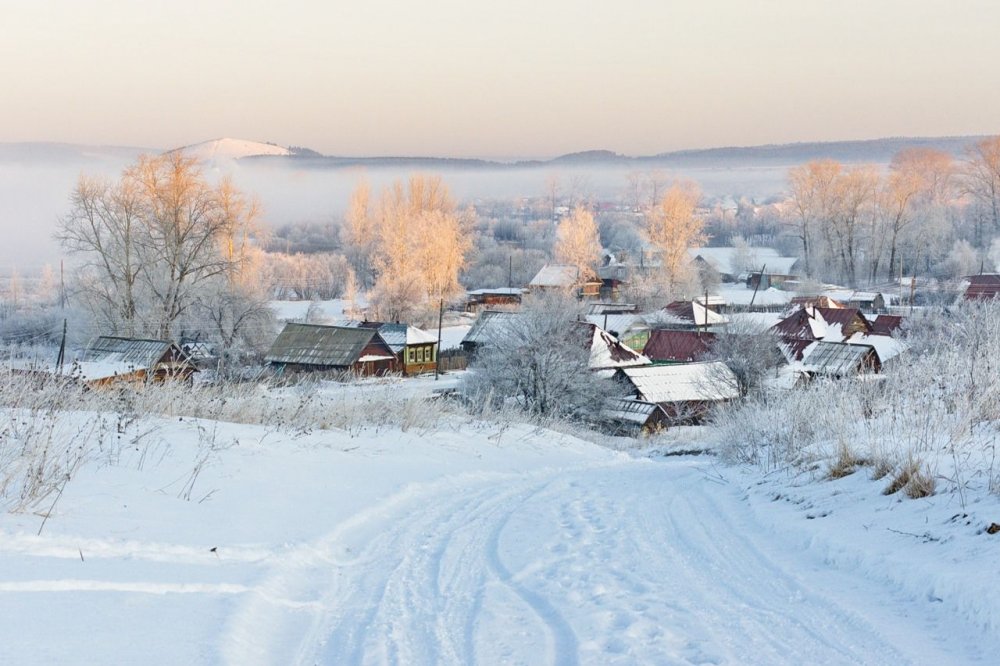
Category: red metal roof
<point>886,324</point>
<point>983,287</point>
<point>680,346</point>
<point>796,325</point>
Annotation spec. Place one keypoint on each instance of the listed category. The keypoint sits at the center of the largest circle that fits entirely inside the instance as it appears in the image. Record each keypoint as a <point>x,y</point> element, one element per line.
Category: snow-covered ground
<point>199,542</point>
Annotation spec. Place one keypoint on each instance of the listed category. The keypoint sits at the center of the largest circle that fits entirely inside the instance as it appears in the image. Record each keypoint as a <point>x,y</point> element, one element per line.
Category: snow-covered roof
<point>836,358</point>
<point>418,336</point>
<point>606,352</point>
<point>619,323</point>
<point>497,291</point>
<point>628,410</point>
<point>726,259</point>
<point>312,344</point>
<point>486,326</point>
<point>709,381</point>
<point>886,346</point>
<point>737,294</point>
<point>556,276</point>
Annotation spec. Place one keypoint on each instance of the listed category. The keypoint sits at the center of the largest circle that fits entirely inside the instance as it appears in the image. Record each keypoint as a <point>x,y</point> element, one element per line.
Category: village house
<point>111,359</point>
<point>318,348</point>
<point>553,277</point>
<point>686,391</point>
<point>630,417</point>
<point>415,349</point>
<point>479,299</point>
<point>674,346</point>
<point>841,359</point>
<point>983,287</point>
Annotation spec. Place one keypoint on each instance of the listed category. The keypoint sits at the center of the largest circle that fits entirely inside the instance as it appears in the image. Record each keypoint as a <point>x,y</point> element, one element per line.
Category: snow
<point>738,294</point>
<point>296,310</point>
<point>231,149</point>
<point>452,336</point>
<point>481,542</point>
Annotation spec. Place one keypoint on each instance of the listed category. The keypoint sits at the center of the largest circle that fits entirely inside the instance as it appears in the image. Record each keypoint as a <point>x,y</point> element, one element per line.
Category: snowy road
<point>622,562</point>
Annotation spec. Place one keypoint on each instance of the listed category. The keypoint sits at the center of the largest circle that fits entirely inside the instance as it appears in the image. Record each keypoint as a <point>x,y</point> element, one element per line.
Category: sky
<point>496,79</point>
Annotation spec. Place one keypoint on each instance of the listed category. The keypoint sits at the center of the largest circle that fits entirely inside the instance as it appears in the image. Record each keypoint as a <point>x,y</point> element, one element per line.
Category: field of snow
<point>455,541</point>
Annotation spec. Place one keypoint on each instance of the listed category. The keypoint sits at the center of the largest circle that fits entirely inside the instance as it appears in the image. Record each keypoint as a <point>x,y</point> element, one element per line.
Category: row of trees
<point>856,224</point>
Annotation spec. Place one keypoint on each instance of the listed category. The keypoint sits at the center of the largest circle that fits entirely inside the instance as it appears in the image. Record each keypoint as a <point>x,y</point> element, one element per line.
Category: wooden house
<point>686,391</point>
<point>479,299</point>
<point>111,359</point>
<point>487,327</point>
<point>317,348</point>
<point>627,416</point>
<point>415,349</point>
<point>565,277</point>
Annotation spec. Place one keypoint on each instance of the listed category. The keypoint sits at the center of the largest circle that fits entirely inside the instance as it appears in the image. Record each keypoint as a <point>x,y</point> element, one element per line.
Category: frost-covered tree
<point>750,351</point>
<point>577,243</point>
<point>538,360</point>
<point>673,228</point>
<point>152,241</point>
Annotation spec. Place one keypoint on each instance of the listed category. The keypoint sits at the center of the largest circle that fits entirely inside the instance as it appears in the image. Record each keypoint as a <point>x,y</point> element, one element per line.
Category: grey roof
<point>836,358</point>
<point>487,325</point>
<point>394,335</point>
<point>556,275</point>
<point>313,344</point>
<point>127,351</point>
<point>629,410</point>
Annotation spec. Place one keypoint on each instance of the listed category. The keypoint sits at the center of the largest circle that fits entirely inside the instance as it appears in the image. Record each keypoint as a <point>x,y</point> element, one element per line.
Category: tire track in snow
<point>413,588</point>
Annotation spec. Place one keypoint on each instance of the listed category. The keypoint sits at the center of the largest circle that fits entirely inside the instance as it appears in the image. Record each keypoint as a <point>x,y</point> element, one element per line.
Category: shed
<point>630,416</point>
<point>841,359</point>
<point>314,347</point>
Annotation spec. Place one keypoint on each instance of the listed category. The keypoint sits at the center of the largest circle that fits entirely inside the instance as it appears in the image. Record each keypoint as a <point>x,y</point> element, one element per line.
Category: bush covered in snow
<point>934,413</point>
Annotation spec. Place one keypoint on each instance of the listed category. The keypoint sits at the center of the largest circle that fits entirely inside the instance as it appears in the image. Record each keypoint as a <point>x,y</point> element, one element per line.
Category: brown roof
<point>795,348</point>
<point>681,346</point>
<point>983,287</point>
<point>821,301</point>
<point>796,326</point>
<point>886,324</point>
<point>846,317</point>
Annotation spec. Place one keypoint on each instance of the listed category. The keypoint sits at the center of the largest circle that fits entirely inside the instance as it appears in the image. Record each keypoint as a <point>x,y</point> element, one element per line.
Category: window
<point>420,354</point>
<point>412,356</point>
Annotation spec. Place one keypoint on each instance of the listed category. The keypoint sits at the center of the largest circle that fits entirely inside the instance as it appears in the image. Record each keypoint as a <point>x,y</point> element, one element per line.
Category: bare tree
<point>982,176</point>
<point>150,242</point>
<point>749,351</point>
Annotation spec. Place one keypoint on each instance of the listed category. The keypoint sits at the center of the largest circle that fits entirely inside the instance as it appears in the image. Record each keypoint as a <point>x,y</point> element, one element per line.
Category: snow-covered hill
<point>231,149</point>
<point>451,541</point>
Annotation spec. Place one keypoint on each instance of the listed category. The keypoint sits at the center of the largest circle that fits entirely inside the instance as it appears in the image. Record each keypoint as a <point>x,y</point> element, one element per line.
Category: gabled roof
<point>839,358</point>
<point>710,381</point>
<point>723,259</point>
<point>845,318</point>
<point>695,314</point>
<point>982,287</point>
<point>886,324</point>
<point>129,352</point>
<point>629,410</point>
<point>618,324</point>
<point>606,352</point>
<point>397,336</point>
<point>803,324</point>
<point>487,325</point>
<point>556,276</point>
<point>677,346</point>
<point>794,348</point>
<point>313,344</point>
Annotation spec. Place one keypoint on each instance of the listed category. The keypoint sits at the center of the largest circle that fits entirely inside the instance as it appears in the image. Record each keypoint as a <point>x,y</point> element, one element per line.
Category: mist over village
<point>473,334</point>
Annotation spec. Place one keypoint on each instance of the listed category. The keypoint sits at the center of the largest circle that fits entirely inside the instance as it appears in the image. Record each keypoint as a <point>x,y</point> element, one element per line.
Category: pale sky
<point>504,78</point>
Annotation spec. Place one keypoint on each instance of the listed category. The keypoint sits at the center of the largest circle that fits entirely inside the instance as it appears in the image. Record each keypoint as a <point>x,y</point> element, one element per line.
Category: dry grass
<point>846,462</point>
<point>914,479</point>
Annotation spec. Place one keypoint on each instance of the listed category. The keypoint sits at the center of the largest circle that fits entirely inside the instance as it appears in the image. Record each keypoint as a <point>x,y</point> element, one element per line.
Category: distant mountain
<point>877,151</point>
<point>232,149</point>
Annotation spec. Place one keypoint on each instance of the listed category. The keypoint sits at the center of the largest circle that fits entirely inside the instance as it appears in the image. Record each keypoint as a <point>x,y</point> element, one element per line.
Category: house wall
<point>418,359</point>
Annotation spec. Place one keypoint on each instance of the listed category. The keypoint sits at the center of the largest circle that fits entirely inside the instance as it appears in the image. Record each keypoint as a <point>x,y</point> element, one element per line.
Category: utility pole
<point>756,287</point>
<point>62,351</point>
<point>437,356</point>
<point>62,285</point>
<point>510,271</point>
